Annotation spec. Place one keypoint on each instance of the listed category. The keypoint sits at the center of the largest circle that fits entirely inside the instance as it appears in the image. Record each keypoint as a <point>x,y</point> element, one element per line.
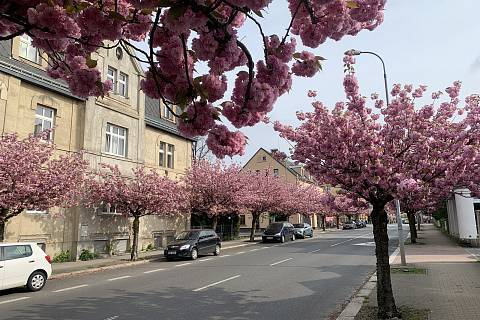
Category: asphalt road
<point>304,279</point>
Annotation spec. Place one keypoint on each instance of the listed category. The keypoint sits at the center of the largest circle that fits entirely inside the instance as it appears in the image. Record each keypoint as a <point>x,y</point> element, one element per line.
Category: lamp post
<point>354,52</point>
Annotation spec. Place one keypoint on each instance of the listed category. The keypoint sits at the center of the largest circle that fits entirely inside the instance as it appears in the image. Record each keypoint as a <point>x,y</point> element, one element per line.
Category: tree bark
<point>323,222</point>
<point>418,222</point>
<point>338,222</point>
<point>214,223</point>
<point>386,302</point>
<point>254,222</point>
<point>413,228</point>
<point>136,228</point>
<point>2,230</point>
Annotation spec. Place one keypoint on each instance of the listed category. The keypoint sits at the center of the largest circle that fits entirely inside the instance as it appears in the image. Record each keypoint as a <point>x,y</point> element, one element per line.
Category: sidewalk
<point>450,288</point>
<point>67,268</point>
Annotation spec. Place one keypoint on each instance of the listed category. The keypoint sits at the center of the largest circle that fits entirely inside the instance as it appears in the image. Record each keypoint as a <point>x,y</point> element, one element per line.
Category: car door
<point>19,263</point>
<point>212,241</point>
<point>202,242</point>
<point>2,268</point>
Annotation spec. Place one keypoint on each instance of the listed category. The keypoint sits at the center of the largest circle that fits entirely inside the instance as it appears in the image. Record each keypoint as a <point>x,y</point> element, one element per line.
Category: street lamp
<point>353,52</point>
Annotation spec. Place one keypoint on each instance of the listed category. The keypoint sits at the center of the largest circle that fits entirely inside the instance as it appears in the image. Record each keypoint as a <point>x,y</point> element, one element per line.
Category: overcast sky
<point>422,42</point>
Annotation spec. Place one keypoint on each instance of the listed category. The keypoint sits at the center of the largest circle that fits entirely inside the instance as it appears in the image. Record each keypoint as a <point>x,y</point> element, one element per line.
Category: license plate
<point>269,237</point>
<point>172,252</point>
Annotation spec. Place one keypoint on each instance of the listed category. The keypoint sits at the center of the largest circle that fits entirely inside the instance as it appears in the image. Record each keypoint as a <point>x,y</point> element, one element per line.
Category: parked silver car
<point>349,225</point>
<point>303,230</point>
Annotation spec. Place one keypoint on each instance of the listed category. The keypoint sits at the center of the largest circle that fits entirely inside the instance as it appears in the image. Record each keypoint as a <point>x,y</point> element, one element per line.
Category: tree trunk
<point>413,229</point>
<point>254,223</point>
<point>323,222</point>
<point>214,223</point>
<point>418,222</point>
<point>2,230</point>
<point>385,299</point>
<point>136,228</point>
<point>338,222</point>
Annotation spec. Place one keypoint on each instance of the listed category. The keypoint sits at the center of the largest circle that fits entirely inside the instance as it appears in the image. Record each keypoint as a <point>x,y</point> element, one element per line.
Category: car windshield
<point>298,225</point>
<point>275,227</point>
<point>187,235</point>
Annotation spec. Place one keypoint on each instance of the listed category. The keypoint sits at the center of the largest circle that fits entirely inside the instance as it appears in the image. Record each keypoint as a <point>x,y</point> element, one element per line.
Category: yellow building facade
<point>124,128</point>
<point>264,160</point>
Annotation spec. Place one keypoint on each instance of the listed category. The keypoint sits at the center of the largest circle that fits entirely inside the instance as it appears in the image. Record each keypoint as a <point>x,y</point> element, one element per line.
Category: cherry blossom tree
<point>214,189</point>
<point>382,153</point>
<point>32,178</point>
<point>144,193</point>
<point>181,36</point>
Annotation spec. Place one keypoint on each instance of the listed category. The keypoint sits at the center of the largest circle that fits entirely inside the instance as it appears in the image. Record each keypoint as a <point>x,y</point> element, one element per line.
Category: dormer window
<point>27,50</point>
<point>119,81</point>
<point>167,113</point>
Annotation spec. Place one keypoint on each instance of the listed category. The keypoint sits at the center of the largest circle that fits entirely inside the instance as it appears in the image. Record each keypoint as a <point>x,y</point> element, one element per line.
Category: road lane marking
<point>154,270</point>
<point>208,259</point>
<point>183,264</point>
<point>278,262</point>
<point>254,250</point>
<point>215,283</point>
<point>315,251</point>
<point>71,288</point>
<point>14,300</point>
<point>240,252</point>
<point>119,278</point>
<point>236,246</point>
<point>336,244</point>
<point>112,318</point>
<point>225,255</point>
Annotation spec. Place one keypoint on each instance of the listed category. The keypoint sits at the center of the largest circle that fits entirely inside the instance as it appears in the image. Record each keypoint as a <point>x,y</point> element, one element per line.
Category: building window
<point>112,76</point>
<point>116,140</point>
<point>27,50</point>
<point>44,120</point>
<point>242,219</point>
<point>161,155</point>
<point>108,209</point>
<point>264,158</point>
<point>167,113</point>
<point>275,173</point>
<point>122,84</point>
<point>170,156</point>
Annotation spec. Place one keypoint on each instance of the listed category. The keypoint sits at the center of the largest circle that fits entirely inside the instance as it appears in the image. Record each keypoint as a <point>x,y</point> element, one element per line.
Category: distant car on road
<point>360,224</point>
<point>349,225</point>
<point>279,231</point>
<point>23,264</point>
<point>303,230</point>
<point>192,243</point>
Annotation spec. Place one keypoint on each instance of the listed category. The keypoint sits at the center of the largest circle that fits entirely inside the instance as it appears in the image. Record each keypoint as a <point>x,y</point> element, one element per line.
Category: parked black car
<point>279,231</point>
<point>192,243</point>
<point>360,224</point>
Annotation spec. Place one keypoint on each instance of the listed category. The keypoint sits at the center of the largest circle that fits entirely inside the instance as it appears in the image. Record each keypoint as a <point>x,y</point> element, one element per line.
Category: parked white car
<point>23,264</point>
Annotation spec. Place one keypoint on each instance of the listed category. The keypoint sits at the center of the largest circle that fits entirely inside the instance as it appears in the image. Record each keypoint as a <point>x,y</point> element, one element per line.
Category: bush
<point>86,255</point>
<point>150,247</point>
<point>63,256</point>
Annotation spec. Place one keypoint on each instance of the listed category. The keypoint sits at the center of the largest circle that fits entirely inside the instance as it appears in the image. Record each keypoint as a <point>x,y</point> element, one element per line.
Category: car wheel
<point>36,281</point>
<point>282,239</point>
<point>194,254</point>
<point>293,237</point>
<point>217,250</point>
<point>311,234</point>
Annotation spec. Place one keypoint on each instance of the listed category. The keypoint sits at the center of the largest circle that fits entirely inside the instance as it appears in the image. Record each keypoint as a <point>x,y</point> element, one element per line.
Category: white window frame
<point>170,155</point>
<point>109,211</point>
<point>123,83</point>
<point>43,118</point>
<point>168,114</point>
<point>110,137</point>
<point>34,211</point>
<point>162,159</point>
<point>26,45</point>
<point>112,78</point>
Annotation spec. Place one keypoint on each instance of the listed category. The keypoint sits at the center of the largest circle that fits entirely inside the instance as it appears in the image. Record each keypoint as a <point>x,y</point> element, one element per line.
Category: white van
<point>23,264</point>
